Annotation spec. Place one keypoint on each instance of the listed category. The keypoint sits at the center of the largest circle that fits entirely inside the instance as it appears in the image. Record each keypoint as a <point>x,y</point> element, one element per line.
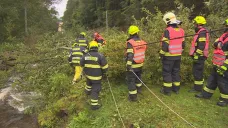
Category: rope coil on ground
<point>163,102</point>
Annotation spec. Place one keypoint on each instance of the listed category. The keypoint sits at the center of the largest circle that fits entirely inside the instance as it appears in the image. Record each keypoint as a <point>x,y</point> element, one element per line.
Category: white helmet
<point>170,18</point>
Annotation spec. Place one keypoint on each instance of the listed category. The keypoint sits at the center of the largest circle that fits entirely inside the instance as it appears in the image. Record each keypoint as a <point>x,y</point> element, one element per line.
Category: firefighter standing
<point>170,54</point>
<point>135,56</point>
<point>99,39</point>
<point>95,68</point>
<point>199,52</point>
<point>76,52</point>
<point>219,75</point>
<point>82,41</point>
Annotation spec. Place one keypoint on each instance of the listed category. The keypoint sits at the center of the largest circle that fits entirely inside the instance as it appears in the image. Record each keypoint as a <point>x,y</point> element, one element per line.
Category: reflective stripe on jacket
<point>139,49</point>
<point>193,46</point>
<point>219,56</point>
<point>82,42</point>
<point>76,54</point>
<point>94,65</point>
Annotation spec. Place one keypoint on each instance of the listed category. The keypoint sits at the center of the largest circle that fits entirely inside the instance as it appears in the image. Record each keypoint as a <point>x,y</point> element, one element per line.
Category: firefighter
<point>135,56</point>
<point>82,41</point>
<point>76,52</point>
<point>219,74</point>
<point>199,52</point>
<point>75,56</point>
<point>99,39</point>
<point>95,67</point>
<point>170,54</point>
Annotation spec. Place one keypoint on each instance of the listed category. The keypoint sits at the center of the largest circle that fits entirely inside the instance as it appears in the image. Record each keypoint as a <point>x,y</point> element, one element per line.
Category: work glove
<point>129,68</point>
<point>221,70</point>
<point>84,51</point>
<point>161,54</point>
<point>195,57</point>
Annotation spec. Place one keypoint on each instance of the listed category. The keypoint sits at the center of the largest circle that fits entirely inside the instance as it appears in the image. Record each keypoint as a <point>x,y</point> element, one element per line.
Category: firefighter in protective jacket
<point>82,41</point>
<point>219,75</point>
<point>135,56</point>
<point>95,67</point>
<point>172,46</point>
<point>199,52</point>
<point>76,52</point>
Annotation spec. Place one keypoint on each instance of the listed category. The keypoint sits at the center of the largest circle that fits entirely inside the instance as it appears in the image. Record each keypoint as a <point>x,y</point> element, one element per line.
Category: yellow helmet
<point>133,29</point>
<point>93,44</point>
<point>170,18</point>
<point>226,22</point>
<point>200,20</point>
<point>83,33</point>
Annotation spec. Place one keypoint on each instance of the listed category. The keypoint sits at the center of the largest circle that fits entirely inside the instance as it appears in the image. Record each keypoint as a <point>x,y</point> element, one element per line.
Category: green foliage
<point>12,18</point>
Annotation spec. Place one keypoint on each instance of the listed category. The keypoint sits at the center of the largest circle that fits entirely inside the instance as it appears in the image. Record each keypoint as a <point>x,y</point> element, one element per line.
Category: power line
<point>211,31</point>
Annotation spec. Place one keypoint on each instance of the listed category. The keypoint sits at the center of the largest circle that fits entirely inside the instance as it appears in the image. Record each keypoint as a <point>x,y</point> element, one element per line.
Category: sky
<point>61,7</point>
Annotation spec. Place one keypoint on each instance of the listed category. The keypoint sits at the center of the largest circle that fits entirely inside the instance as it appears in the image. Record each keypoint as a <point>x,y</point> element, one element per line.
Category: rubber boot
<point>132,97</point>
<point>222,103</point>
<point>165,91</point>
<point>201,96</point>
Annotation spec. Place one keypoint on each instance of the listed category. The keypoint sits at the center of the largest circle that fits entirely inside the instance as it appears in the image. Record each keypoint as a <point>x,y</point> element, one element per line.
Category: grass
<point>148,112</point>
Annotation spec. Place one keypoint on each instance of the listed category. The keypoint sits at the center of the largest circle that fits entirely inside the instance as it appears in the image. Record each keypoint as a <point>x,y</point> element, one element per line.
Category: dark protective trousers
<point>133,83</point>
<point>215,80</point>
<point>93,89</point>
<point>171,75</point>
<point>197,70</point>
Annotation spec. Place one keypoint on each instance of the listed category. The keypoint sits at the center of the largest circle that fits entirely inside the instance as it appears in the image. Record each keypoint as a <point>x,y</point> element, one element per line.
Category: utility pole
<point>107,21</point>
<point>26,20</point>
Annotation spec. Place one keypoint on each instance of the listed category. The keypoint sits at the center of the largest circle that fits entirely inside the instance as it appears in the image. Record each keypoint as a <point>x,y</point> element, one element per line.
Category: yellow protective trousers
<point>77,73</point>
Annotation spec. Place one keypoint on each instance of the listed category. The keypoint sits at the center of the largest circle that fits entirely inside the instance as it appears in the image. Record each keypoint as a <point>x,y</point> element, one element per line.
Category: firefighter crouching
<point>219,74</point>
<point>199,52</point>
<point>170,54</point>
<point>135,56</point>
<point>95,67</point>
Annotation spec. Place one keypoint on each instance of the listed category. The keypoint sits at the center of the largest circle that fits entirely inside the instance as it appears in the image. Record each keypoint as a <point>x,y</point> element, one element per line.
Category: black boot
<point>132,97</point>
<point>95,107</point>
<point>165,92</point>
<point>201,96</point>
<point>222,103</point>
<point>175,89</point>
<point>196,88</point>
<point>139,90</point>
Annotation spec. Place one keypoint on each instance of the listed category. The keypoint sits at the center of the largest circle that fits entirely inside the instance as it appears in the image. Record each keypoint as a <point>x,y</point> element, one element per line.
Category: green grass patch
<point>148,112</point>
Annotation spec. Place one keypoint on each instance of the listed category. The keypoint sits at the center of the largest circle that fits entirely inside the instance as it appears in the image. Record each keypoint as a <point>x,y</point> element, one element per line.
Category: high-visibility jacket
<point>175,43</point>
<point>82,42</point>
<point>94,65</point>
<point>194,44</point>
<point>139,49</point>
<point>219,56</point>
<point>76,54</point>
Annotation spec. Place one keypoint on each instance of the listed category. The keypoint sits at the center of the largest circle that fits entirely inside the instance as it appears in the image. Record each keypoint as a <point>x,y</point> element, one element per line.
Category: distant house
<point>60,24</point>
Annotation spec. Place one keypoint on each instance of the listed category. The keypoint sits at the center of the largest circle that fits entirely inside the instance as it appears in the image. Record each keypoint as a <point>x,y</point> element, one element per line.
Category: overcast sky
<point>61,7</point>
